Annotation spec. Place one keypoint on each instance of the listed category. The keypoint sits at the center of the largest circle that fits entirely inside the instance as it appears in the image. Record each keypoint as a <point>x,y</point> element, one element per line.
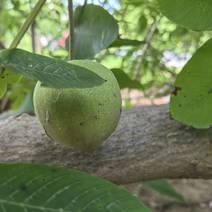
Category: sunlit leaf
<point>27,105</point>
<point>194,14</point>
<point>191,101</point>
<point>125,81</point>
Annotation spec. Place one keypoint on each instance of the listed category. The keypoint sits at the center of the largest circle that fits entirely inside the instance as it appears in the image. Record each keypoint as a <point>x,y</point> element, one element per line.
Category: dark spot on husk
<point>23,187</point>
<point>114,95</point>
<point>44,179</point>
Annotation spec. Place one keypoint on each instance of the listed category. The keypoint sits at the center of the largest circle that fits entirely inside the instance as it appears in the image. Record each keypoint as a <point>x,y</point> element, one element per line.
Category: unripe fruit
<point>80,118</point>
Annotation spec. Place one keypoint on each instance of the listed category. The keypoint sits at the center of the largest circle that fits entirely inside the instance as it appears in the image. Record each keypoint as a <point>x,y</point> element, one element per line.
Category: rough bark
<point>147,144</point>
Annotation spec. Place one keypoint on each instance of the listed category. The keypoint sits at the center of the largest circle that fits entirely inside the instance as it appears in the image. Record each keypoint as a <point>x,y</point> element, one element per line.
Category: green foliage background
<point>137,20</point>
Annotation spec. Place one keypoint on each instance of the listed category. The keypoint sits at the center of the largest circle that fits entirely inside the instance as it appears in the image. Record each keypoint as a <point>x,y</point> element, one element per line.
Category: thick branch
<point>146,145</point>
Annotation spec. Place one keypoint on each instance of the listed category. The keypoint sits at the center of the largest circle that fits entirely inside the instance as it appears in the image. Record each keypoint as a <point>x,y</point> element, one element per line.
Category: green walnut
<point>80,118</point>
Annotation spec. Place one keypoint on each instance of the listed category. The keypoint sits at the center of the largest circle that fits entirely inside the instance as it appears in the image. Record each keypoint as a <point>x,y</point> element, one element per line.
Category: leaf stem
<point>71,30</point>
<point>27,23</point>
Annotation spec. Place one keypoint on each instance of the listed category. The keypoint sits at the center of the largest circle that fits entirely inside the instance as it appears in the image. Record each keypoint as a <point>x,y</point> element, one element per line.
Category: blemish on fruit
<point>44,179</point>
<point>23,187</point>
<point>114,95</point>
<point>80,112</point>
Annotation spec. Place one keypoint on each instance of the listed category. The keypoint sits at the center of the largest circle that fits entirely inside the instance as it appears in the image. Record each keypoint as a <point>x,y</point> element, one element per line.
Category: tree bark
<point>146,145</point>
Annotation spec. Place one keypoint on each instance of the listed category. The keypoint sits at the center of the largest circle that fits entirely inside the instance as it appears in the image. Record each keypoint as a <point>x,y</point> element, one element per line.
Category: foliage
<point>164,188</point>
<point>95,30</point>
<point>51,72</point>
<point>125,81</point>
<point>192,14</point>
<point>135,19</point>
<point>191,100</point>
<point>41,188</point>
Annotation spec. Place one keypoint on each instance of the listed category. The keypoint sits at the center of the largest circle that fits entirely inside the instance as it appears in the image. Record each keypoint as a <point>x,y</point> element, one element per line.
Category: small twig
<point>33,34</point>
<point>27,23</point>
<point>148,39</point>
<point>71,30</point>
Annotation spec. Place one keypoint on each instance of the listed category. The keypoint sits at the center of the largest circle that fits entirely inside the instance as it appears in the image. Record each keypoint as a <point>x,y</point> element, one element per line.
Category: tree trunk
<point>147,144</point>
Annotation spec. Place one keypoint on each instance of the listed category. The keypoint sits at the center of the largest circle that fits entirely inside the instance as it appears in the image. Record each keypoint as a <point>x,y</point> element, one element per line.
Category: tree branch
<point>148,39</point>
<point>31,17</point>
<point>146,145</point>
<point>71,30</point>
<point>33,36</point>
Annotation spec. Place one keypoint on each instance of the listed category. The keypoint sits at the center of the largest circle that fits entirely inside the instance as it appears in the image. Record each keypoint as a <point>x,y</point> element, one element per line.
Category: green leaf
<point>3,87</point>
<point>9,76</point>
<point>125,81</point>
<point>164,188</point>
<point>51,72</point>
<point>142,23</point>
<point>95,30</point>
<point>35,188</point>
<point>126,42</point>
<point>27,105</point>
<point>192,98</point>
<point>194,14</point>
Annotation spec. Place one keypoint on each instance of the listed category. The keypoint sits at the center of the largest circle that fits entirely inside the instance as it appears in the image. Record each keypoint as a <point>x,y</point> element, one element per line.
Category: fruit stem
<point>71,30</point>
<point>31,17</point>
